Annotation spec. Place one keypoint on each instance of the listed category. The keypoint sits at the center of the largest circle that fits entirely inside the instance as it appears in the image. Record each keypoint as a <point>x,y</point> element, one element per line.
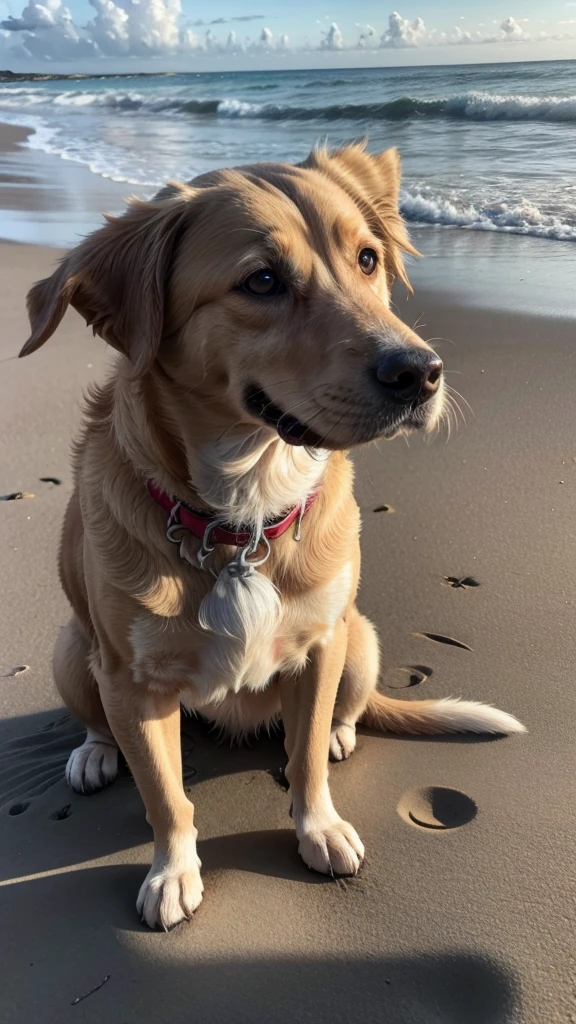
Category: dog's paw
<point>93,765</point>
<point>342,741</point>
<point>169,896</point>
<point>334,850</point>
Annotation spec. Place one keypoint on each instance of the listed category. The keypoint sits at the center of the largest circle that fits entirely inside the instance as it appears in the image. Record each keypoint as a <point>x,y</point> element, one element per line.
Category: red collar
<point>196,521</point>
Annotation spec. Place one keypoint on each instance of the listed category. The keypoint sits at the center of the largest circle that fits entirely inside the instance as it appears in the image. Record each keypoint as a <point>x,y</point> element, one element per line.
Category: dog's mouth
<point>291,430</point>
<point>363,428</point>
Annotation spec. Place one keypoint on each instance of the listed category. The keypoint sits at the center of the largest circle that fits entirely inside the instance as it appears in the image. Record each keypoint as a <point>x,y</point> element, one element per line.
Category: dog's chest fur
<point>245,631</point>
<point>208,667</point>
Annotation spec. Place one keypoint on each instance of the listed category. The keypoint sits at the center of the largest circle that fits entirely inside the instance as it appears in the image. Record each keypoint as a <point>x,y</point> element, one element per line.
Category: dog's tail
<point>430,717</point>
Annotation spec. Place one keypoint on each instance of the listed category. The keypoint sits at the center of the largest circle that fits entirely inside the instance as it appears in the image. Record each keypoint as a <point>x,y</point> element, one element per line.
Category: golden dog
<point>210,549</point>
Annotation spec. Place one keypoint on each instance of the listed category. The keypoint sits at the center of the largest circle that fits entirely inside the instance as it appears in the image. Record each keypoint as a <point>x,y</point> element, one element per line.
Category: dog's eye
<point>368,260</point>
<point>263,283</point>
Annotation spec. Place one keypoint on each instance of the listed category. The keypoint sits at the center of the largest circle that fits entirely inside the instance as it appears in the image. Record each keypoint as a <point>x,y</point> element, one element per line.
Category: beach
<point>463,919</point>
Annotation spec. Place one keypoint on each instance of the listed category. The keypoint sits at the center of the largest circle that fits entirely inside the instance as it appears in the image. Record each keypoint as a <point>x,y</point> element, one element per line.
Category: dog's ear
<point>373,182</point>
<point>117,279</point>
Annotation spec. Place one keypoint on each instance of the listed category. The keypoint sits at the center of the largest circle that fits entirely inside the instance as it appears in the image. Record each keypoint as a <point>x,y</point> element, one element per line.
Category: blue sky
<point>227,34</point>
<point>299,17</point>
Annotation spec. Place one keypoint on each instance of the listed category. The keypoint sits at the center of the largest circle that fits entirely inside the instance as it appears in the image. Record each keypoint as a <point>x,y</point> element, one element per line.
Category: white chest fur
<point>207,667</point>
<point>246,630</point>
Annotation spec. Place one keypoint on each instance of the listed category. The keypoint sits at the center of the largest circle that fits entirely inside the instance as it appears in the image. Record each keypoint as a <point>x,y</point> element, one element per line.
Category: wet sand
<point>456,925</point>
<point>48,201</point>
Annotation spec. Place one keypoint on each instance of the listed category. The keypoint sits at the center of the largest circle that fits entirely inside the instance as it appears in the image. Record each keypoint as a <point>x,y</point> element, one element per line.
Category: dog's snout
<point>410,375</point>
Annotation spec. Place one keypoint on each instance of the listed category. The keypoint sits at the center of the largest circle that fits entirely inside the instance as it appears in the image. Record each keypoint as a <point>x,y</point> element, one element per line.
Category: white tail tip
<point>470,716</point>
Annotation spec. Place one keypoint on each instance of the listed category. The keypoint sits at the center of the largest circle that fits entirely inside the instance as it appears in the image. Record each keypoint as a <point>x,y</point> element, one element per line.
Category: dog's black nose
<point>410,375</point>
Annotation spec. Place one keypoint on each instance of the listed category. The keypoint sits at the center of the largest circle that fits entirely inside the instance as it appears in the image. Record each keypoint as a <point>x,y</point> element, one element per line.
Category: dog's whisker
<point>366,467</point>
<point>327,434</point>
<point>453,392</point>
<point>377,447</point>
<point>278,384</point>
<point>287,394</point>
<point>455,412</point>
<point>341,341</point>
<point>291,410</point>
<point>446,418</point>
<point>441,341</point>
<point>452,403</point>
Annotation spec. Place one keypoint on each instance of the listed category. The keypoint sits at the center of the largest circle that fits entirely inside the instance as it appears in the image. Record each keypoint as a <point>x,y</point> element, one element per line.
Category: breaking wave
<point>470,106</point>
<point>514,218</point>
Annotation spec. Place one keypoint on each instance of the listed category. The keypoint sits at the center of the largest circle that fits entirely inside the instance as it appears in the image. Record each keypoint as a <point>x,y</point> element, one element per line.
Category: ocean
<point>484,147</point>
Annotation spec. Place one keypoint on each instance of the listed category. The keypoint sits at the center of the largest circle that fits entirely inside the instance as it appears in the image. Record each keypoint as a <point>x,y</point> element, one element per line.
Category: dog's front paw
<point>170,895</point>
<point>334,850</point>
<point>93,765</point>
<point>342,741</point>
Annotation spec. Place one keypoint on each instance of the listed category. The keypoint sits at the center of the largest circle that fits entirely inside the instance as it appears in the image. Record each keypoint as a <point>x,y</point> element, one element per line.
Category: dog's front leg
<point>326,842</point>
<point>146,726</point>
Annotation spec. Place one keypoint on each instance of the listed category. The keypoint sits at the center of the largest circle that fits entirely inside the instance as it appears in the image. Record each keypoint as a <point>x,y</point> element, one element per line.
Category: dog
<point>210,549</point>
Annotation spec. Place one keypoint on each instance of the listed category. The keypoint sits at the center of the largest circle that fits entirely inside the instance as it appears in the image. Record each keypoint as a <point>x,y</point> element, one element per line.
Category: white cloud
<point>459,36</point>
<point>512,29</point>
<point>402,32</point>
<point>367,37</point>
<point>155,28</point>
<point>128,27</point>
<point>37,15</point>
<point>147,28</point>
<point>265,43</point>
<point>46,31</point>
<point>333,38</point>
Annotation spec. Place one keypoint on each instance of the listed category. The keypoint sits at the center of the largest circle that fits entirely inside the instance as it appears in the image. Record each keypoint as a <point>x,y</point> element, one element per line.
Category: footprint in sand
<point>437,808</point>
<point>16,671</point>
<point>62,814</point>
<point>19,808</point>
<point>439,638</point>
<point>460,582</point>
<point>406,675</point>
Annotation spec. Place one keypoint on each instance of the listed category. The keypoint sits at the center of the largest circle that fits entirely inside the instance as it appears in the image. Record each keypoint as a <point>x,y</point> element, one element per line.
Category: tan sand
<point>43,199</point>
<point>467,925</point>
<point>11,136</point>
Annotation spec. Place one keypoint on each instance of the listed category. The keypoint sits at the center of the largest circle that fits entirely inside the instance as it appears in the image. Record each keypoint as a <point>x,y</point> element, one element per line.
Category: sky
<point>129,35</point>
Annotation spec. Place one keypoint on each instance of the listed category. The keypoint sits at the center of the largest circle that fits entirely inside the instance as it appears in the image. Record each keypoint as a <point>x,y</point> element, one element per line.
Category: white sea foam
<point>489,200</point>
<point>107,164</point>
<point>471,106</point>
<point>238,108</point>
<point>482,106</point>
<point>517,218</point>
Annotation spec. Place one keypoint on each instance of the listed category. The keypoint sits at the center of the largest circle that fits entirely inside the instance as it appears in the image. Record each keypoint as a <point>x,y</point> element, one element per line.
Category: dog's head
<point>263,292</point>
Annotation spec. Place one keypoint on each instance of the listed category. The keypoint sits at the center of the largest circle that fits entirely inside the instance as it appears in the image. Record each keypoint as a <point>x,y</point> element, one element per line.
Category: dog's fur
<point>149,630</point>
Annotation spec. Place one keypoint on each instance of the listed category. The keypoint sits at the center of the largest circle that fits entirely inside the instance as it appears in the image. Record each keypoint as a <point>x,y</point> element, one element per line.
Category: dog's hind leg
<point>359,679</point>
<point>94,764</point>
<point>359,701</point>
